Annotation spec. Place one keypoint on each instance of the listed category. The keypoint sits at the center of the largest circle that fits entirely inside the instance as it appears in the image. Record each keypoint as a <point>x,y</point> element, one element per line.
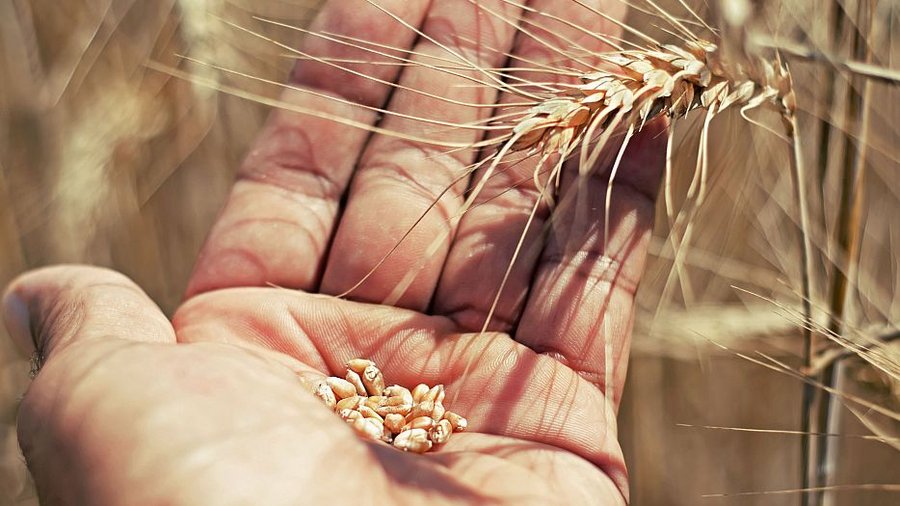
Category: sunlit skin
<point>213,406</point>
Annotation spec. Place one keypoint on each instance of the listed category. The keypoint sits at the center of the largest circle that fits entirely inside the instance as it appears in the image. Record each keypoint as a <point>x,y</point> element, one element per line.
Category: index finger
<point>278,219</point>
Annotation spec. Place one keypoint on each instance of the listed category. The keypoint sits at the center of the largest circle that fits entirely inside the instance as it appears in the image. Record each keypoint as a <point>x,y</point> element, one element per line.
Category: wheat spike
<point>643,84</point>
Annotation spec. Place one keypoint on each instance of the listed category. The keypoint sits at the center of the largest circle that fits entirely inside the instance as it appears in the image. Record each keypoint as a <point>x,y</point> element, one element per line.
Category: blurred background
<point>106,161</point>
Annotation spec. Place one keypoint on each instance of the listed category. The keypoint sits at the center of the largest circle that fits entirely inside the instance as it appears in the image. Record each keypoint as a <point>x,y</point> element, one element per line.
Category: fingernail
<point>18,321</point>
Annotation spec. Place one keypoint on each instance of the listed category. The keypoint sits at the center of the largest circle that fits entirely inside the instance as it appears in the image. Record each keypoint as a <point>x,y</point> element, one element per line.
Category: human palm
<point>215,406</point>
<point>133,418</point>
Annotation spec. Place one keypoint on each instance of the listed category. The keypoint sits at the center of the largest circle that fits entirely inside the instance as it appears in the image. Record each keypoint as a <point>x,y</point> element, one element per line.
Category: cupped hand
<point>215,407</point>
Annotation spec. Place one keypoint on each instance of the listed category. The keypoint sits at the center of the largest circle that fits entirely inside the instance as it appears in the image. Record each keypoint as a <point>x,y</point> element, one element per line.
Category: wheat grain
<point>355,379</point>
<point>413,440</point>
<point>324,392</point>
<point>411,422</point>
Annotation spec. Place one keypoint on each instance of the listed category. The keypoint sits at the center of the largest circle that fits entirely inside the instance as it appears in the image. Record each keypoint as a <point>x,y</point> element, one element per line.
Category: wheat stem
<point>847,241</point>
<point>809,339</point>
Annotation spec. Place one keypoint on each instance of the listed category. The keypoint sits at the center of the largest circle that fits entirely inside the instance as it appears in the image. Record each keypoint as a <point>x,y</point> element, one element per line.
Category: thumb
<point>48,309</point>
<point>120,416</point>
<point>51,309</point>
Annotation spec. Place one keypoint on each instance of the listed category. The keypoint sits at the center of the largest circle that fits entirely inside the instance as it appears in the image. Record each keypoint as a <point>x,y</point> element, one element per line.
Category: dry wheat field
<point>765,361</point>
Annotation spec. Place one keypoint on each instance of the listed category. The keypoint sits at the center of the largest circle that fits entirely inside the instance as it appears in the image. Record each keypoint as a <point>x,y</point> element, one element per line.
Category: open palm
<point>214,407</point>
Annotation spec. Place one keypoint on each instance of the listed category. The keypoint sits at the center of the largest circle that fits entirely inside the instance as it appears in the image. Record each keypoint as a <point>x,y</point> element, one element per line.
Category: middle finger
<point>398,179</point>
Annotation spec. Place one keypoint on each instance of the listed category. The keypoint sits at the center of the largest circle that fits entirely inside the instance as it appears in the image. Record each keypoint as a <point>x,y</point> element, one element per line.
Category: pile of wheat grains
<point>411,420</point>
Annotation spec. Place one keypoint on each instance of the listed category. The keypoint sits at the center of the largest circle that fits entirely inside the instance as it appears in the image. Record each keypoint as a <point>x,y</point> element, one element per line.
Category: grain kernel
<point>419,422</point>
<point>440,433</point>
<point>356,380</point>
<point>395,404</point>
<point>396,401</point>
<point>420,390</point>
<point>376,401</point>
<point>342,388</point>
<point>458,423</point>
<point>368,412</point>
<point>438,412</point>
<point>358,365</point>
<point>373,380</point>
<point>324,392</point>
<point>423,408</point>
<point>413,440</point>
<point>398,395</point>
<point>436,393</point>
<point>385,410</point>
<point>394,422</point>
<point>369,428</point>
<point>352,402</point>
<point>349,415</point>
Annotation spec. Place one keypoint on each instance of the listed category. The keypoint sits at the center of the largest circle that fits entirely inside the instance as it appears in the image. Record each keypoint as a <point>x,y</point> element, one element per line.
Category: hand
<point>215,408</point>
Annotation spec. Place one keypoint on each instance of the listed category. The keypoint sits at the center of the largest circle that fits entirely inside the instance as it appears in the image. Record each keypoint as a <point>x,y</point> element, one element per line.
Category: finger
<point>491,232</point>
<point>279,218</point>
<point>501,386</point>
<point>581,307</point>
<point>399,180</point>
<point>50,308</point>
